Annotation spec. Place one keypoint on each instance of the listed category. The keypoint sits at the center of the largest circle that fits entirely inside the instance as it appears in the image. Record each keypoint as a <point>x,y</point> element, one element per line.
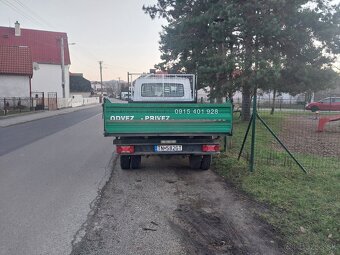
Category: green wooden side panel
<point>167,118</point>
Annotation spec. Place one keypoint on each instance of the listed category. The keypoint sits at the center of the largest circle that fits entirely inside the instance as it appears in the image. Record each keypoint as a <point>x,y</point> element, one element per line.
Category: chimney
<point>17,29</point>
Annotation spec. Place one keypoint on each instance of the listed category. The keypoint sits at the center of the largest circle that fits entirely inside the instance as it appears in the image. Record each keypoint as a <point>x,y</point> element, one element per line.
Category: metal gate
<point>52,101</point>
<point>38,101</point>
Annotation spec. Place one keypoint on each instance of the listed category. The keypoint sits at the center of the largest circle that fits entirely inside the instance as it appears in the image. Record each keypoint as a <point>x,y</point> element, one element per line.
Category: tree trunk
<point>211,96</point>
<point>219,94</point>
<point>246,103</point>
<point>308,96</point>
<point>246,86</point>
<point>273,103</point>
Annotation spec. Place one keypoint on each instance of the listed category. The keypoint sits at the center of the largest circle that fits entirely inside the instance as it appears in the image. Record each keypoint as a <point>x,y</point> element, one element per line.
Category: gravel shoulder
<point>166,208</point>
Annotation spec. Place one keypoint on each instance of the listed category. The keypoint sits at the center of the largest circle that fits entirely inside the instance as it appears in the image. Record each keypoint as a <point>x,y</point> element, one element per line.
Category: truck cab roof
<point>164,88</point>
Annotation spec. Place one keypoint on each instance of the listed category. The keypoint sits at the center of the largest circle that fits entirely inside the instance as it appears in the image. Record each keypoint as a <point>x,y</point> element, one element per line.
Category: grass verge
<point>305,208</point>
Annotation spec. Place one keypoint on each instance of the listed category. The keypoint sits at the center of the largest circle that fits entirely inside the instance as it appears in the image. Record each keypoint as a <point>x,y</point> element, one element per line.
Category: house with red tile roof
<point>16,71</point>
<point>46,54</point>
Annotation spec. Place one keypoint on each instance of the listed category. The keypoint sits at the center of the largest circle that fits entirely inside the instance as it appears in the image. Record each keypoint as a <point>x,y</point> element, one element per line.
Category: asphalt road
<point>51,171</point>
<point>14,137</point>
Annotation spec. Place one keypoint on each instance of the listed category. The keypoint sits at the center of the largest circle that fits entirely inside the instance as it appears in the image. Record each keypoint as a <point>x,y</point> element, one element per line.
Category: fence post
<point>6,106</point>
<point>253,133</point>
<point>19,104</point>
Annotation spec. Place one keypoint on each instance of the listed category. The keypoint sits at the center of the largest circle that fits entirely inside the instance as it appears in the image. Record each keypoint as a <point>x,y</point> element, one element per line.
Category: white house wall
<point>47,78</point>
<point>14,86</point>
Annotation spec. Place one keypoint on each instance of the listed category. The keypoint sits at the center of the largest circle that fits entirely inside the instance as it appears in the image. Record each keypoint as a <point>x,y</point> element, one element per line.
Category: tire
<point>206,162</point>
<point>125,162</point>
<point>314,108</point>
<point>136,161</point>
<point>195,161</point>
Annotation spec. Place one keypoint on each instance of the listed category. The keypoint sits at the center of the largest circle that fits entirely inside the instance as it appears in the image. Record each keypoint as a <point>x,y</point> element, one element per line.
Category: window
<point>162,90</point>
<point>337,100</point>
<point>326,100</point>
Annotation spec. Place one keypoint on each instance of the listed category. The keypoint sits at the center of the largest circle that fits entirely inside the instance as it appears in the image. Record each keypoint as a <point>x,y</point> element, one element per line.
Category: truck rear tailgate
<point>136,119</point>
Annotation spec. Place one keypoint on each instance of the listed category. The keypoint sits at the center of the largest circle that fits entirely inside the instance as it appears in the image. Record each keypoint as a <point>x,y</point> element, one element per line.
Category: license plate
<point>168,147</point>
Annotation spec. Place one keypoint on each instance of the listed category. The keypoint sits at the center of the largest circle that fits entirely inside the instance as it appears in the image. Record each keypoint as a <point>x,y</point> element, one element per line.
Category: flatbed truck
<point>164,118</point>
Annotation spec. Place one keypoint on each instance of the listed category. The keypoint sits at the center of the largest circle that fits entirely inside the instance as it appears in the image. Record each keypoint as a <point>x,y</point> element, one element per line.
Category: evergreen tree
<point>282,45</point>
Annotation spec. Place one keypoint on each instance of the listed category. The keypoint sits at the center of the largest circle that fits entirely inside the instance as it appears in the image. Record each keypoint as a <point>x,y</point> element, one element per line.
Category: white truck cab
<point>164,88</point>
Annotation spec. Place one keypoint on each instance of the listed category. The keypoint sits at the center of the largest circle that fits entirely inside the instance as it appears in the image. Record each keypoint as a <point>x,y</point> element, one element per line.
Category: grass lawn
<point>305,208</point>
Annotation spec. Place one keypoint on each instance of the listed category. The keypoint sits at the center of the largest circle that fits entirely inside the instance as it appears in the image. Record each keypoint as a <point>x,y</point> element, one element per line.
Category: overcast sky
<point>114,31</point>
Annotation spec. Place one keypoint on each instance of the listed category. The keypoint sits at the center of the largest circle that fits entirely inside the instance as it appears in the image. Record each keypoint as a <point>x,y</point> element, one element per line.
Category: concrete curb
<point>14,120</point>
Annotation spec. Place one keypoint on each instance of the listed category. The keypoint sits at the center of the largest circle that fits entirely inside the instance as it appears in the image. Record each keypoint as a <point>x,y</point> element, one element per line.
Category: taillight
<point>125,149</point>
<point>210,147</point>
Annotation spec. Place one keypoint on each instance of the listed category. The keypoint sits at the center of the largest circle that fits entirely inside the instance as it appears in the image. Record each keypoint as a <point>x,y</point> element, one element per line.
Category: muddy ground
<point>299,135</point>
<point>166,208</point>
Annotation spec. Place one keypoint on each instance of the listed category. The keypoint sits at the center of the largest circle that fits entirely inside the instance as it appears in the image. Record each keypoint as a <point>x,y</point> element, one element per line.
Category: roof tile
<point>16,60</point>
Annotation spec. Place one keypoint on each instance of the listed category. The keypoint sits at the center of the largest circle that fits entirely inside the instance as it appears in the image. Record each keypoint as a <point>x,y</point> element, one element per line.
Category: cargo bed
<point>167,119</point>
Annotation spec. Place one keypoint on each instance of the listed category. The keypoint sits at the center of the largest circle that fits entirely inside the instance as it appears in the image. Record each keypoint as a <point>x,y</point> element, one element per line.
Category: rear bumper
<point>189,146</point>
<point>195,149</point>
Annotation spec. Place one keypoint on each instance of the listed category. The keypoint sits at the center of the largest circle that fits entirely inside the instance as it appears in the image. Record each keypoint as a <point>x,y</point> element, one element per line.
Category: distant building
<point>16,71</point>
<point>96,86</point>
<point>79,85</point>
<point>45,48</point>
<point>203,94</point>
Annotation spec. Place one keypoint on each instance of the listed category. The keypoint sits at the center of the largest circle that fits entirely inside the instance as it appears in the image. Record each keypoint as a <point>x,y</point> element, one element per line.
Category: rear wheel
<point>125,162</point>
<point>136,161</point>
<point>195,161</point>
<point>206,162</point>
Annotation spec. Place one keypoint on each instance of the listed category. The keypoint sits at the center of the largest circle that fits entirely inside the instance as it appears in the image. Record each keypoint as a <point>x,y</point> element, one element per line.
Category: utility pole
<point>62,65</point>
<point>119,88</point>
<point>101,78</point>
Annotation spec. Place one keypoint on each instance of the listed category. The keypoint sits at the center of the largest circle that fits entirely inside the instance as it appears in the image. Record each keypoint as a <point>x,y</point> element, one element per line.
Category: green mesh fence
<point>297,128</point>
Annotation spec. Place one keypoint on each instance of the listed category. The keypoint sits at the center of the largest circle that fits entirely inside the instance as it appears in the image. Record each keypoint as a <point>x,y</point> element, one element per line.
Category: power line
<point>89,54</point>
<point>23,13</point>
<point>19,11</point>
<point>34,14</point>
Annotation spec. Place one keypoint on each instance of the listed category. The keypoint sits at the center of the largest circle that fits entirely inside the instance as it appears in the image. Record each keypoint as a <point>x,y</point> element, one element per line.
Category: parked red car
<point>326,104</point>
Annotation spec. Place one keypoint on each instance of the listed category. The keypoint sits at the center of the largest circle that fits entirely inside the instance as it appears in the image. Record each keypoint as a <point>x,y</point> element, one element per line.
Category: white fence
<point>76,102</point>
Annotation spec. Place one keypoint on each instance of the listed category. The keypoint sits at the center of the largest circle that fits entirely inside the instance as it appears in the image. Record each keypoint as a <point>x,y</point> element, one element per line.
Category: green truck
<point>164,118</point>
